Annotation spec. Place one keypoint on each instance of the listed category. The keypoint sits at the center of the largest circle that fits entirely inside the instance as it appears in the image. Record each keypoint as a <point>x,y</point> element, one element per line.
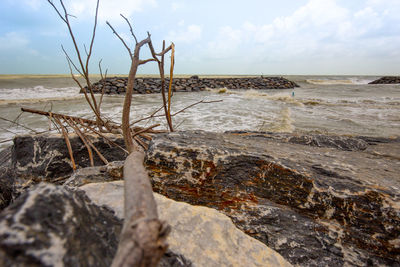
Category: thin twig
<point>83,138</point>
<point>122,40</point>
<point>130,27</point>
<point>18,124</point>
<point>67,141</point>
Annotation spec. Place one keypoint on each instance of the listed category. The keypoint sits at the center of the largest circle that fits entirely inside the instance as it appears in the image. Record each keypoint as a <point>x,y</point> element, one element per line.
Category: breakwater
<point>117,85</point>
<point>387,80</point>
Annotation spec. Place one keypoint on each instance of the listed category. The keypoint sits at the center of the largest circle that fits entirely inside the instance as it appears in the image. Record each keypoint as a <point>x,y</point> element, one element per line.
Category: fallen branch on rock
<point>143,237</point>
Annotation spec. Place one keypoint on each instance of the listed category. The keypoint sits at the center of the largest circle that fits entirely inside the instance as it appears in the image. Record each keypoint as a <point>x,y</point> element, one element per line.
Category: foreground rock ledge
<point>314,205</point>
<point>317,200</point>
<point>204,236</point>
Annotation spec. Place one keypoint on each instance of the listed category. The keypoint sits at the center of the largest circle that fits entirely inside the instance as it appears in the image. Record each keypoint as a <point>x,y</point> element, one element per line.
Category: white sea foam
<point>348,81</point>
<point>282,97</point>
<point>37,93</point>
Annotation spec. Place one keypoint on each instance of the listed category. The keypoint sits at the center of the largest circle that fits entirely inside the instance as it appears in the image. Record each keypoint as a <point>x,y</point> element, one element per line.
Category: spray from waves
<point>282,123</point>
<point>223,90</point>
<point>349,81</point>
<point>281,97</point>
<point>37,94</point>
<point>37,100</point>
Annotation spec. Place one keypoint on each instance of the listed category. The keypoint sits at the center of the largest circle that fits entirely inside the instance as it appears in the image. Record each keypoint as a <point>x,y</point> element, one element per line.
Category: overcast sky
<point>211,37</point>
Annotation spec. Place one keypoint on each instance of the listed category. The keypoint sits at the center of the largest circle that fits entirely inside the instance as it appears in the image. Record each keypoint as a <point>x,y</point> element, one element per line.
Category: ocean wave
<point>349,81</point>
<point>282,123</point>
<point>282,97</point>
<point>37,100</point>
<point>37,93</point>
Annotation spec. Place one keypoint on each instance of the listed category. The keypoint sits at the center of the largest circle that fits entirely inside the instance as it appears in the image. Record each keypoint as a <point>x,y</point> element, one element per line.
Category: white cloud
<point>108,10</point>
<point>16,42</point>
<point>34,4</point>
<point>188,35</point>
<point>226,44</point>
<point>13,40</point>
<point>176,5</point>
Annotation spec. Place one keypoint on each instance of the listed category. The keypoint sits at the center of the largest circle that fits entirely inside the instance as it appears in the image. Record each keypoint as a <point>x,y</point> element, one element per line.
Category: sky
<point>285,37</point>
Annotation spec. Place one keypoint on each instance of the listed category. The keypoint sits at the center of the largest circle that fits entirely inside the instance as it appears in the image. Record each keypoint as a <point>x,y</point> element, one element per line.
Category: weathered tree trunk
<point>142,240</point>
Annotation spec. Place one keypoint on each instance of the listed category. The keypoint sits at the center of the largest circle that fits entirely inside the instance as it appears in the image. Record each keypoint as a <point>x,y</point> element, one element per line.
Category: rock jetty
<point>117,85</point>
<point>387,80</point>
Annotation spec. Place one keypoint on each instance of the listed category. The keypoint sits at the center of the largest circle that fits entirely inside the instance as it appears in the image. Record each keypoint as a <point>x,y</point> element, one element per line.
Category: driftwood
<point>142,241</point>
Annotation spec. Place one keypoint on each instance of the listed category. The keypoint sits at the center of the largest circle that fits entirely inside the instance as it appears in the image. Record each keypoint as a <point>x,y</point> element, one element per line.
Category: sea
<point>344,105</point>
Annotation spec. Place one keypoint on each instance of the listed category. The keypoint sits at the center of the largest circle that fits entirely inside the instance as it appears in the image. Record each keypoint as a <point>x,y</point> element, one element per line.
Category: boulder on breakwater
<point>117,85</point>
<point>387,80</point>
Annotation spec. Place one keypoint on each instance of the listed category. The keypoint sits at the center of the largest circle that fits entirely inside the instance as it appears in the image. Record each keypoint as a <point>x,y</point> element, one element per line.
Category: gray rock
<point>387,80</point>
<point>7,181</point>
<point>54,226</point>
<point>318,140</point>
<point>203,235</point>
<point>45,157</point>
<point>314,205</point>
<point>58,226</point>
<point>110,172</point>
<point>196,83</point>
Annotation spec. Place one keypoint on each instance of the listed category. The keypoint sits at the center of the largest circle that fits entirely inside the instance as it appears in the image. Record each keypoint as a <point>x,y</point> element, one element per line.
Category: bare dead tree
<point>135,62</point>
<point>142,241</point>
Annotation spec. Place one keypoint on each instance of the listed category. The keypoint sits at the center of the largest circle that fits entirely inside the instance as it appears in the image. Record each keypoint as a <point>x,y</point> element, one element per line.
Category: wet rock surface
<point>7,182</point>
<point>204,236</point>
<point>53,226</point>
<point>117,85</point>
<point>387,80</point>
<point>45,157</point>
<point>58,226</point>
<point>330,204</point>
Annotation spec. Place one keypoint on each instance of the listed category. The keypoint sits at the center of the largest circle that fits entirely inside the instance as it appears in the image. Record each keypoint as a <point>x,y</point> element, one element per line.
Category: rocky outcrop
<point>316,199</point>
<point>117,85</point>
<point>53,226</point>
<point>45,157</point>
<point>325,205</point>
<point>110,172</point>
<point>58,226</point>
<point>204,236</point>
<point>7,181</point>
<point>387,80</point>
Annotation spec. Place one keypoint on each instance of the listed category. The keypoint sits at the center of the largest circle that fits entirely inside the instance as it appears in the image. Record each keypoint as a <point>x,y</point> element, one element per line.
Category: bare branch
<point>82,137</point>
<point>142,241</point>
<point>130,27</point>
<point>16,123</point>
<point>67,141</point>
<point>141,62</point>
<point>58,12</point>
<point>103,78</point>
<point>148,117</point>
<point>194,104</point>
<point>70,61</point>
<point>122,40</point>
<point>93,36</point>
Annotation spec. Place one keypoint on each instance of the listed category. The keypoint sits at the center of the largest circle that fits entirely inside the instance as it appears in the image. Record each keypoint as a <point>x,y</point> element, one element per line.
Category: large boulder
<point>54,226</point>
<point>203,235</point>
<point>329,205</point>
<point>45,157</point>
<point>59,226</point>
